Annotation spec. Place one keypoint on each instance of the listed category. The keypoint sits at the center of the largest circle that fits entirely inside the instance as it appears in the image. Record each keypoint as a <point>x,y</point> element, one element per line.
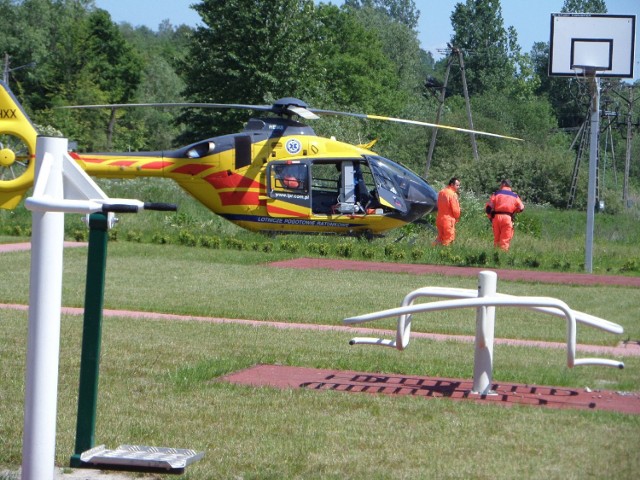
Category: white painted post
<point>594,142</point>
<point>45,301</point>
<point>485,326</point>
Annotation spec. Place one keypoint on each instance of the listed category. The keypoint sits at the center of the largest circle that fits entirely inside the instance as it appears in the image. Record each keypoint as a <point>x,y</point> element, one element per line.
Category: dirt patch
<point>506,394</point>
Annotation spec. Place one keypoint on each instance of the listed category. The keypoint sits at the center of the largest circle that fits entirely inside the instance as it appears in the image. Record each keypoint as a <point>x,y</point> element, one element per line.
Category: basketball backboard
<point>585,43</point>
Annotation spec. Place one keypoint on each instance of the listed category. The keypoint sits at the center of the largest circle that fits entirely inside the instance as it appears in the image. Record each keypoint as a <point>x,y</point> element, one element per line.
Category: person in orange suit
<point>448,213</point>
<point>501,208</point>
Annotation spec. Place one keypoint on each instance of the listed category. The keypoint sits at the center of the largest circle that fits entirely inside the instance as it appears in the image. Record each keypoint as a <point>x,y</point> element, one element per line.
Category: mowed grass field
<point>160,380</point>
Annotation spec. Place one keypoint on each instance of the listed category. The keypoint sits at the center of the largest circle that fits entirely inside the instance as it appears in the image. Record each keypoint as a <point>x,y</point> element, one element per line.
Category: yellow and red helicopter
<point>276,175</point>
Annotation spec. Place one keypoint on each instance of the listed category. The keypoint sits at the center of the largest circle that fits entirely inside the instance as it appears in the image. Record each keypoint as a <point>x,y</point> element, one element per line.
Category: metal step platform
<point>140,458</point>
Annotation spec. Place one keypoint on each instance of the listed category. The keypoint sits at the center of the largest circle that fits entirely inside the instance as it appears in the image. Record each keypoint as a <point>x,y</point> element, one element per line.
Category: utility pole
<point>454,53</point>
<point>434,132</point>
<point>6,70</point>
<point>627,160</point>
<point>474,145</point>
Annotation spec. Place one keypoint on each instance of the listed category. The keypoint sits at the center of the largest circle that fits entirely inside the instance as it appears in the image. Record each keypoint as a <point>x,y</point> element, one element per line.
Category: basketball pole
<point>594,84</point>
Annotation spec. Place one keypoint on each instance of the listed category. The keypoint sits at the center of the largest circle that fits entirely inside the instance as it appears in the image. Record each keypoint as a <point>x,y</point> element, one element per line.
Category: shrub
<point>79,235</point>
<point>531,261</point>
<point>319,248</point>
<point>134,236</point>
<point>209,241</point>
<point>159,239</point>
<point>187,238</point>
<point>476,259</point>
<point>344,249</point>
<point>234,243</point>
<point>630,266</point>
<point>289,246</point>
<point>416,253</point>
<point>368,253</point>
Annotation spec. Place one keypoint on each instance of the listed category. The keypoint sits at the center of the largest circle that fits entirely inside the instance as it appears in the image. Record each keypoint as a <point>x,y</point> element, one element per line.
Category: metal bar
<point>91,336</point>
<point>45,302</point>
<point>485,327</point>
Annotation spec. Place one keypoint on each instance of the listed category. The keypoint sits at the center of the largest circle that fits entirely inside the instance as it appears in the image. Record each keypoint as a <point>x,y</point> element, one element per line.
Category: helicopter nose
<point>422,198</point>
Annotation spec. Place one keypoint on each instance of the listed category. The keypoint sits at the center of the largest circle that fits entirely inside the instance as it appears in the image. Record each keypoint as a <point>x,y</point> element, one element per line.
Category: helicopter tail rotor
<point>17,150</point>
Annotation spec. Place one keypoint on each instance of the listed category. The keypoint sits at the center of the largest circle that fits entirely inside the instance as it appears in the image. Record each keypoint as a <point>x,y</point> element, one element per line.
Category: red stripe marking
<point>224,180</point>
<point>155,165</point>
<point>239,198</point>
<point>122,163</point>
<point>286,211</point>
<point>191,169</point>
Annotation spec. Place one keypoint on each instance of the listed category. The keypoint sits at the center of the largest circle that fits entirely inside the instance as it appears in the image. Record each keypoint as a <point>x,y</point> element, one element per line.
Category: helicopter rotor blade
<point>173,105</point>
<point>279,107</point>
<point>293,106</point>
<point>413,122</point>
<point>303,112</point>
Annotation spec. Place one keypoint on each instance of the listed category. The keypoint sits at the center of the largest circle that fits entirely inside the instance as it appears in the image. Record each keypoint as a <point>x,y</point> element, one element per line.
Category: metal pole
<point>474,145</point>
<point>593,168</point>
<point>627,161</point>
<point>434,133</point>
<point>5,71</point>
<point>91,336</point>
<point>485,327</point>
<point>45,302</point>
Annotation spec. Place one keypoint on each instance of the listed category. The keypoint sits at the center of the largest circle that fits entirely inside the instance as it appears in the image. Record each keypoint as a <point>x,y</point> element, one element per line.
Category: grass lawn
<point>159,380</point>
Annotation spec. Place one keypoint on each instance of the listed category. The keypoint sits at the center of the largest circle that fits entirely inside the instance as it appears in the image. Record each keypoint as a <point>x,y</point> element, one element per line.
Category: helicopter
<point>275,176</point>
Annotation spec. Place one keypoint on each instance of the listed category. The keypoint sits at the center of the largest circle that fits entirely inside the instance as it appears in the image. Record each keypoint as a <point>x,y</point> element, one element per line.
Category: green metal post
<point>91,336</point>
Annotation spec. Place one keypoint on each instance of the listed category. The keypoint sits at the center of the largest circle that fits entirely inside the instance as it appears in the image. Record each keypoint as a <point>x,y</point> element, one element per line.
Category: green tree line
<point>362,56</point>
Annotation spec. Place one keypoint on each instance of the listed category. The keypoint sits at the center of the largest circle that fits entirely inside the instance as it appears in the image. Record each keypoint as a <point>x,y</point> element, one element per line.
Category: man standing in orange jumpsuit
<point>501,208</point>
<point>448,213</point>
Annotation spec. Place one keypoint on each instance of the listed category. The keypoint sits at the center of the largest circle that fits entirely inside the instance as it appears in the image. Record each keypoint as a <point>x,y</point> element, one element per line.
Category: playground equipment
<point>485,299</point>
<point>63,187</point>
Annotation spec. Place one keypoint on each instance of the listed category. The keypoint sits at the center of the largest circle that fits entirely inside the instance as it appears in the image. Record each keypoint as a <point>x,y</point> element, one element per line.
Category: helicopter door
<point>288,189</point>
<point>388,191</point>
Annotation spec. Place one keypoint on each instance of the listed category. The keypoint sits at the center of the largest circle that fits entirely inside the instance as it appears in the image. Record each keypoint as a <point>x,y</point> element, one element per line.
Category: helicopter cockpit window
<point>342,187</point>
<point>291,178</point>
<point>201,150</point>
<point>409,184</point>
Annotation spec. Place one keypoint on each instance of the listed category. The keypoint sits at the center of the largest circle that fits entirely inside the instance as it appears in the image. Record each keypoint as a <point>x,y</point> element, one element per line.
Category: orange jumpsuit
<point>448,215</point>
<point>501,207</point>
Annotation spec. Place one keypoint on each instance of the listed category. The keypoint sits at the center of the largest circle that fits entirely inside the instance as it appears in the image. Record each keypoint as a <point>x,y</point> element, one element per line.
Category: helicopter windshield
<point>397,184</point>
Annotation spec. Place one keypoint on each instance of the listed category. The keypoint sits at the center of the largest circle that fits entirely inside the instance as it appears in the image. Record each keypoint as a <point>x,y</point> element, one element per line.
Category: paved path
<point>572,278</point>
<point>624,349</point>
<point>21,247</point>
<point>631,348</point>
<point>421,269</point>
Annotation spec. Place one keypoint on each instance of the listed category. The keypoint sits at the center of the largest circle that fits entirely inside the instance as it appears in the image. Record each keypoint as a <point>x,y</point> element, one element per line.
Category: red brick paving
<point>503,274</point>
<point>507,394</point>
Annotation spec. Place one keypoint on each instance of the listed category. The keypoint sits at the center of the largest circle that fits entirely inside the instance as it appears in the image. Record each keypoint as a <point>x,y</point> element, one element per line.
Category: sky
<point>530,18</point>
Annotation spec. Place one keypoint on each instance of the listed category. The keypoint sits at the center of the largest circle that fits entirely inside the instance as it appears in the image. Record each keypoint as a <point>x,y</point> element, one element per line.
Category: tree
<point>584,6</point>
<point>488,48</point>
<point>399,42</point>
<point>356,70</point>
<point>403,11</point>
<point>243,55</point>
